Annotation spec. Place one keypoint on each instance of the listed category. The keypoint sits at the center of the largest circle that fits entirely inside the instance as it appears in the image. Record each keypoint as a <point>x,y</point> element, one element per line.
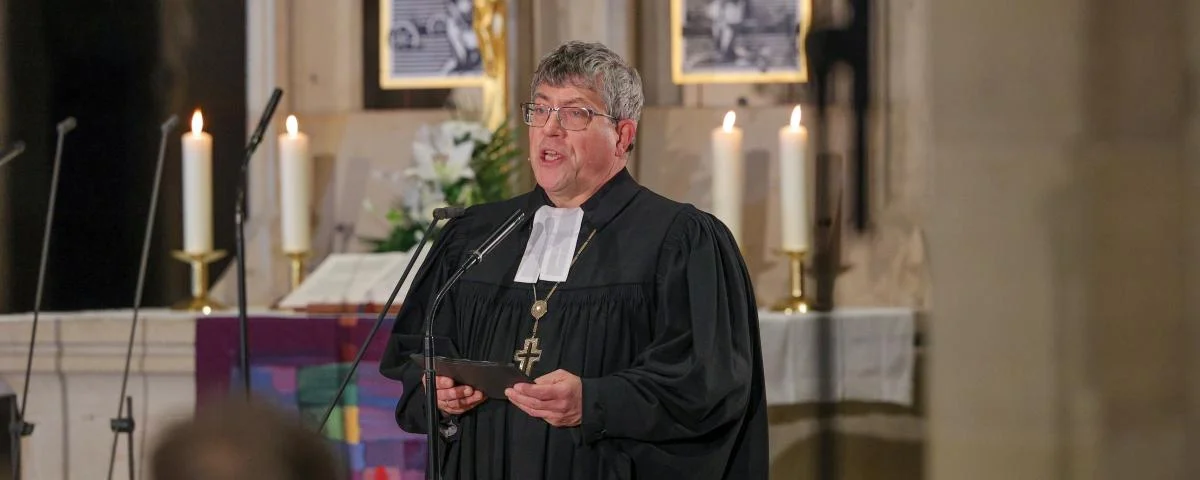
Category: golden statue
<point>490,21</point>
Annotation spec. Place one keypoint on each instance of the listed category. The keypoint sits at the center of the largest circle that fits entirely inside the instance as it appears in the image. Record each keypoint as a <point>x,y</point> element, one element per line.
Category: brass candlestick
<point>297,272</point>
<point>796,301</point>
<point>200,302</point>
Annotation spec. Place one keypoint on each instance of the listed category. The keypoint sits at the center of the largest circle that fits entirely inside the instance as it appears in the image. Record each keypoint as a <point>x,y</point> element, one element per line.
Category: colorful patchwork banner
<point>299,362</point>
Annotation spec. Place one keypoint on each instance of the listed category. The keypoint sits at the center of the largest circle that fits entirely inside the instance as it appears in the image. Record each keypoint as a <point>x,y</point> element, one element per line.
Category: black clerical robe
<point>658,318</point>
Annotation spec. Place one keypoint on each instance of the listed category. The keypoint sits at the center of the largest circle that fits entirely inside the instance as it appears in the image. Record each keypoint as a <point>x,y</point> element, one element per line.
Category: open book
<point>347,282</point>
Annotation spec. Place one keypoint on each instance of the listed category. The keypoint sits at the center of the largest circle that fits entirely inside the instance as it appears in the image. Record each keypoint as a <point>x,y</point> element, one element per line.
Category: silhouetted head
<point>236,439</point>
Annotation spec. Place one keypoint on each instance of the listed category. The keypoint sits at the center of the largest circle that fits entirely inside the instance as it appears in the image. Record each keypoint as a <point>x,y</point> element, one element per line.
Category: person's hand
<point>455,399</point>
<point>556,397</point>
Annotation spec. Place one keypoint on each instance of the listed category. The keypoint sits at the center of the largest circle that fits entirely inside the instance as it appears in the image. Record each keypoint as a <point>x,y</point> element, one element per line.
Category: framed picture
<point>427,44</point>
<point>739,41</point>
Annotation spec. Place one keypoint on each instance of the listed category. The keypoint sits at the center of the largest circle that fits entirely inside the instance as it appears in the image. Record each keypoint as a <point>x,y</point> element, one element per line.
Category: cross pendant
<point>527,356</point>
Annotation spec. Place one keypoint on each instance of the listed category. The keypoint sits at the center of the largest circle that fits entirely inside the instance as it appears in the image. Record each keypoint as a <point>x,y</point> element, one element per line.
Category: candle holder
<point>296,259</point>
<point>796,300</point>
<point>200,301</point>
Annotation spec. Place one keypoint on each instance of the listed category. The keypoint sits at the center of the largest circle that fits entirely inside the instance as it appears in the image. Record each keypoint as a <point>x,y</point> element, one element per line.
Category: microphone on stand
<point>66,125</point>
<point>123,422</point>
<point>447,213</point>
<point>19,427</point>
<point>498,235</point>
<point>17,149</point>
<point>240,230</point>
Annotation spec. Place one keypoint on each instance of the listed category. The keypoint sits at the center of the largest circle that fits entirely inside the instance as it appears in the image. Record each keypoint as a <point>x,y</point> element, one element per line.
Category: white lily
<point>421,199</point>
<point>474,131</point>
<point>437,159</point>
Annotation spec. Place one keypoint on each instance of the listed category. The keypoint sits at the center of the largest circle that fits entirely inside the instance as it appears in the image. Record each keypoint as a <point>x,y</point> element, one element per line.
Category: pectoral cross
<point>529,355</point>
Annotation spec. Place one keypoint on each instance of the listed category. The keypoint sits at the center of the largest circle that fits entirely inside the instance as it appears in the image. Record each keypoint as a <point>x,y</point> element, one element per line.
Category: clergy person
<point>634,314</point>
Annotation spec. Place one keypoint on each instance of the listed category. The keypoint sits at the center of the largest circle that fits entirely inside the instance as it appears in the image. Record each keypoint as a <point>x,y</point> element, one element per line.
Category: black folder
<point>491,378</point>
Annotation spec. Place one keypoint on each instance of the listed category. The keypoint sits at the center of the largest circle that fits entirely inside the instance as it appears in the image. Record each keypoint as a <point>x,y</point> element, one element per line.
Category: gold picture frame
<point>762,62</point>
<point>440,49</point>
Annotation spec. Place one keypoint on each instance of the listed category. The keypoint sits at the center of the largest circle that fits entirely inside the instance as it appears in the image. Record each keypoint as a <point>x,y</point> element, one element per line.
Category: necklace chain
<point>545,301</point>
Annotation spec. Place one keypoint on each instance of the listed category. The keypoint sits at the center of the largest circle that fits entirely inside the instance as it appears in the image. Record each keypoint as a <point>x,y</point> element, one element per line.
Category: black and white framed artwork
<point>428,44</point>
<point>739,41</point>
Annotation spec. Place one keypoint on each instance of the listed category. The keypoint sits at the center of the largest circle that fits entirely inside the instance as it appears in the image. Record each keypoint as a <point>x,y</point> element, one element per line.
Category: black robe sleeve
<point>693,383</point>
<point>408,330</point>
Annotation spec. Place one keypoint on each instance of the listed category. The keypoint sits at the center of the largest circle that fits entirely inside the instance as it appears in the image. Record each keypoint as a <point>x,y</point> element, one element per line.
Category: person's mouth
<point>550,156</point>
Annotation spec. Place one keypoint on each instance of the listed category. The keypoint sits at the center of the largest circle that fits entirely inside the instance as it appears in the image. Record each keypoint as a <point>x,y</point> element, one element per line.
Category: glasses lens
<point>574,118</point>
<point>536,115</point>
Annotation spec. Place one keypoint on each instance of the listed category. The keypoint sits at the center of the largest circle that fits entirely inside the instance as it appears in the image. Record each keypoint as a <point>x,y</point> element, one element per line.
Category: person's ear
<point>626,133</point>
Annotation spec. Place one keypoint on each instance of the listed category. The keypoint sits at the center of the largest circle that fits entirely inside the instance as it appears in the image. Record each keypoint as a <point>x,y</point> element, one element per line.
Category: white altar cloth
<point>874,355</point>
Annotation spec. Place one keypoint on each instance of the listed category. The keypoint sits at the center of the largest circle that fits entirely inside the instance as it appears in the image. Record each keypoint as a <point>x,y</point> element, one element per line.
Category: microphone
<point>169,125</point>
<point>514,221</point>
<point>240,231</point>
<point>19,427</point>
<point>123,422</point>
<point>66,125</point>
<point>448,213</point>
<point>14,151</point>
<point>498,235</point>
<point>263,121</point>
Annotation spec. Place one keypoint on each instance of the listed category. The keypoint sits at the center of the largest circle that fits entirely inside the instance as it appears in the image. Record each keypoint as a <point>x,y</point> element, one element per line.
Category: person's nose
<point>553,125</point>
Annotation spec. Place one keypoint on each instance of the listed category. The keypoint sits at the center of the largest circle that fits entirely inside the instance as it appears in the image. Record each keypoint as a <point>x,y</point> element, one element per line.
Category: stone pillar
<point>607,21</point>
<point>1055,238</point>
<point>326,57</point>
<point>1003,130</point>
<point>1191,188</point>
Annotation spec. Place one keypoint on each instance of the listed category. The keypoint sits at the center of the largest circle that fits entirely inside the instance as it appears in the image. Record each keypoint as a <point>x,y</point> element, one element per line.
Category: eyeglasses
<point>571,118</point>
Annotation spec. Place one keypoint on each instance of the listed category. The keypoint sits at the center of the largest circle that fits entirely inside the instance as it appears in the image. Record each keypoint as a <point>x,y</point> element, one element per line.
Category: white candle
<point>727,173</point>
<point>793,140</point>
<point>197,188</point>
<point>295,188</point>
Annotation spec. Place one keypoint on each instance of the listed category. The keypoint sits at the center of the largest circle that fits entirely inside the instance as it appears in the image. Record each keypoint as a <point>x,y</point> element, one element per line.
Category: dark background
<point>120,68</point>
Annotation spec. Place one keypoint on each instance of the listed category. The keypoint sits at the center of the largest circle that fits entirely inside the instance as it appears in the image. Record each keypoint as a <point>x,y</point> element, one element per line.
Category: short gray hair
<point>595,67</point>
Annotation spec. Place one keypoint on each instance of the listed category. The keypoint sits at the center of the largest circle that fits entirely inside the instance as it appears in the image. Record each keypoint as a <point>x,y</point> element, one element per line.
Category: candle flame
<point>293,126</point>
<point>197,123</point>
<point>796,118</point>
<point>730,117</point>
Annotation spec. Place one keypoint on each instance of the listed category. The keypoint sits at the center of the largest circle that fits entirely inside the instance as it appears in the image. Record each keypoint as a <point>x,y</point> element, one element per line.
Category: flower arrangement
<point>455,163</point>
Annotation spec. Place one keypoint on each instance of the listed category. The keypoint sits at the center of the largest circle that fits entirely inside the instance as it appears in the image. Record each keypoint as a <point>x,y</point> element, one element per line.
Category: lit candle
<point>792,142</point>
<point>727,174</point>
<point>197,188</point>
<point>295,188</point>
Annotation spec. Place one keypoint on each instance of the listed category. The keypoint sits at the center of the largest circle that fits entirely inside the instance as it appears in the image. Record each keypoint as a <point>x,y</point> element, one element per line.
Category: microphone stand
<point>123,422</point>
<point>19,428</point>
<point>17,149</point>
<point>432,467</point>
<point>240,221</point>
<point>438,214</point>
